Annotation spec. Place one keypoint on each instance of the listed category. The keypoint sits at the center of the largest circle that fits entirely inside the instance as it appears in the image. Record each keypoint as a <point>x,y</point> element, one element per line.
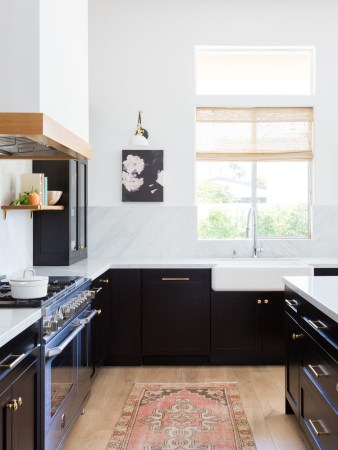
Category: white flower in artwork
<point>133,164</point>
<point>131,182</point>
<point>160,177</point>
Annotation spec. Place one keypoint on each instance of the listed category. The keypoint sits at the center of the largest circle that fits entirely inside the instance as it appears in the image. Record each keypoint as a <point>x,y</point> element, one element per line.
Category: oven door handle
<point>87,319</point>
<point>59,349</point>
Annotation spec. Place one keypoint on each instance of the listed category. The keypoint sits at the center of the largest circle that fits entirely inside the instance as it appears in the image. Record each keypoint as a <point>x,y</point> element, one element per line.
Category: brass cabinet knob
<point>99,311</point>
<point>14,403</point>
<point>266,301</point>
<point>104,280</point>
<point>259,301</point>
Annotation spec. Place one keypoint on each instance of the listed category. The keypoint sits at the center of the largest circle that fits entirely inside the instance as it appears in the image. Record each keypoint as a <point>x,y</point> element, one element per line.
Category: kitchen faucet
<point>252,225</point>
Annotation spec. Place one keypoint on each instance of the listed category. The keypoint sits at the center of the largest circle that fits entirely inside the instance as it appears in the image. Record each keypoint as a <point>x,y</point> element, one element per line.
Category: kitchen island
<point>311,384</point>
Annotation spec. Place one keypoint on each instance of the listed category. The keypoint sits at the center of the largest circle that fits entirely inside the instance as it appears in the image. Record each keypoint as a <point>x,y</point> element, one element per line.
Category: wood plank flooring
<point>261,389</point>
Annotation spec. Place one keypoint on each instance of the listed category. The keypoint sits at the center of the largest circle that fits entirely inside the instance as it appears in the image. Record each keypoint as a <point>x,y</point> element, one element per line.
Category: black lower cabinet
<point>294,335</point>
<point>311,371</point>
<point>124,317</point>
<point>19,393</point>
<point>247,327</point>
<point>100,324</point>
<point>175,316</point>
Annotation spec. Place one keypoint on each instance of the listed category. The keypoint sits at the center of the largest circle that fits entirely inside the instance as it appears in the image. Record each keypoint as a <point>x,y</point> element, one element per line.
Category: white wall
<point>142,56</point>
<point>43,67</point>
<point>64,63</point>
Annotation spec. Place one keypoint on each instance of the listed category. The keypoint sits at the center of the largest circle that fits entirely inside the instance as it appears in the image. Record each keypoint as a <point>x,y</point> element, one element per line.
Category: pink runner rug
<point>185,416</point>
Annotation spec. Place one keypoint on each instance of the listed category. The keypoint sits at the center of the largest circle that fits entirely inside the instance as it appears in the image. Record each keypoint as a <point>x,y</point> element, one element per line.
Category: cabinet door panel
<point>272,323</point>
<point>24,424</point>
<point>234,325</point>
<point>175,312</point>
<point>124,316</point>
<point>294,337</point>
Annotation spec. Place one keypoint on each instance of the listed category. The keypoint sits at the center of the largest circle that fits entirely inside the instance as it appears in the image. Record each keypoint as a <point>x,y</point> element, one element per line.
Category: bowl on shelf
<point>54,197</point>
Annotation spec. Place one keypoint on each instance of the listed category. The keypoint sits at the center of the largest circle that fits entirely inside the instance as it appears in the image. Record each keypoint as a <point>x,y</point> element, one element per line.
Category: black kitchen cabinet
<point>294,335</point>
<point>20,392</point>
<point>175,316</point>
<point>124,317</point>
<point>100,323</point>
<point>60,237</point>
<point>247,327</point>
<point>312,370</point>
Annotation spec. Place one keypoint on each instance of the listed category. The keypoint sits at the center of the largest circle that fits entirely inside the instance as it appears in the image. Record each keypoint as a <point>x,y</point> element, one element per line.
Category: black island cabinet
<point>311,381</point>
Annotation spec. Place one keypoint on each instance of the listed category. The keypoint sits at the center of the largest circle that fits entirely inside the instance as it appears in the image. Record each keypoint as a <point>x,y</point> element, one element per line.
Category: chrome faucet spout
<point>252,225</point>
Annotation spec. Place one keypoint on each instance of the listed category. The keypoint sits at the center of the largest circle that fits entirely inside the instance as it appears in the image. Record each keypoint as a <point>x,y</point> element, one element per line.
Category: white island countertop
<point>321,292</point>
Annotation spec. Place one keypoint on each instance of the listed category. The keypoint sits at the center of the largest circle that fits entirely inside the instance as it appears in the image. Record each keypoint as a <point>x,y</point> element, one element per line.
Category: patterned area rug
<point>189,416</point>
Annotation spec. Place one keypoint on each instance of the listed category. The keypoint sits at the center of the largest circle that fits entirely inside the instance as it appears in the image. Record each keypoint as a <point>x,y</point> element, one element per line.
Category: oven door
<point>61,355</point>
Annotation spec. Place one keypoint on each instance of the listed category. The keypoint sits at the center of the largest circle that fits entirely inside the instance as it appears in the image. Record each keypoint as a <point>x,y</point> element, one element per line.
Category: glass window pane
<point>282,199</point>
<point>223,198</point>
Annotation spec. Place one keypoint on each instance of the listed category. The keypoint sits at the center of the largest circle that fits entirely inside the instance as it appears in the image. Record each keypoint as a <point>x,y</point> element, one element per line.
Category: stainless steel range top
<point>58,289</point>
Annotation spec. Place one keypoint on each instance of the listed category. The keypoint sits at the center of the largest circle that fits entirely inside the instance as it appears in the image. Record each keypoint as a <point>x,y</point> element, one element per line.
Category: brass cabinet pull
<point>292,302</point>
<point>20,401</point>
<point>317,324</point>
<point>18,358</point>
<point>316,373</point>
<point>176,279</point>
<point>266,301</point>
<point>99,311</point>
<point>259,301</point>
<point>318,432</point>
<point>296,336</point>
<point>104,280</point>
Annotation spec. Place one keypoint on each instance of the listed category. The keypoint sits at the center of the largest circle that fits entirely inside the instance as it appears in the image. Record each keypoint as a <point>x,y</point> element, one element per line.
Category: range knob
<point>47,327</point>
<point>66,311</point>
<point>54,323</point>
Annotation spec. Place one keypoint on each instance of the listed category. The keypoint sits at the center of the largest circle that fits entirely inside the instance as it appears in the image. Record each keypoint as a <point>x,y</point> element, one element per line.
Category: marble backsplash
<point>148,231</point>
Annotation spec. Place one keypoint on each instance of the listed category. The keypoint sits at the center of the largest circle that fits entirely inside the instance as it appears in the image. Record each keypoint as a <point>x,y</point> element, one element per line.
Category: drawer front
<point>322,328</point>
<point>176,276</point>
<point>322,370</point>
<point>318,420</point>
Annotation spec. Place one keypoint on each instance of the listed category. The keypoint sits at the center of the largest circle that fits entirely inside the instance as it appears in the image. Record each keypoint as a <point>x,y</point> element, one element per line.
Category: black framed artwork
<point>142,175</point>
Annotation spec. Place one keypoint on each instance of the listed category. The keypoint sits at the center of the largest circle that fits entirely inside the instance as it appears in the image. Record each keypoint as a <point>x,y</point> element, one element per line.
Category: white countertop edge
<point>320,304</point>
<point>30,316</point>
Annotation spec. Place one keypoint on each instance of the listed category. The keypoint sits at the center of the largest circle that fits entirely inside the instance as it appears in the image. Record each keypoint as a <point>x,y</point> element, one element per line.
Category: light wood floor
<point>261,389</point>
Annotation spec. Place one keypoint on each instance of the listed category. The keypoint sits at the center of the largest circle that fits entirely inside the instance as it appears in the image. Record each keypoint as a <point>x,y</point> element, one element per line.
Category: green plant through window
<point>278,190</point>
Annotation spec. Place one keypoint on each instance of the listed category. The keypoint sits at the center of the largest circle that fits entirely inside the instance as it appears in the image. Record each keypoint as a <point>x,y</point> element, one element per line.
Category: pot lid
<point>29,277</point>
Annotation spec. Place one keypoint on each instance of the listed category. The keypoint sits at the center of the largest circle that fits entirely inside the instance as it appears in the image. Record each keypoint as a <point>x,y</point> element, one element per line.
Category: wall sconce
<point>141,135</point>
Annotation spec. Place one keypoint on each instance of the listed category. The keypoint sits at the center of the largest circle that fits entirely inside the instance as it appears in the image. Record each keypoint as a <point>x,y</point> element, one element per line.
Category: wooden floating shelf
<point>30,208</point>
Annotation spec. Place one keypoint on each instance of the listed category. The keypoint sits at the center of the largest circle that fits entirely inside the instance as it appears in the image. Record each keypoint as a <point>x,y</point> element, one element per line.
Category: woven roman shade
<point>254,134</point>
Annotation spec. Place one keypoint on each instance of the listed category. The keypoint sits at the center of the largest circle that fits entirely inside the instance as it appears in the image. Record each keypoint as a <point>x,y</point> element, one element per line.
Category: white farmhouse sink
<point>255,274</point>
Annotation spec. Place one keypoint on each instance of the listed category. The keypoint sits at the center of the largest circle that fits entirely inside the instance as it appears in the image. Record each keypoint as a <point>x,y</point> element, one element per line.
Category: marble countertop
<point>15,320</point>
<point>94,267</point>
<point>320,291</point>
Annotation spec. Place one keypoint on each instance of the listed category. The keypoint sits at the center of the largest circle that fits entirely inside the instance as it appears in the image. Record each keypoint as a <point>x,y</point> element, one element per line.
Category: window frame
<point>251,101</point>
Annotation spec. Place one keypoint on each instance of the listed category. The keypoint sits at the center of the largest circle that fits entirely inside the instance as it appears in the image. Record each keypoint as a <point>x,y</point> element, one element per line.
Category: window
<point>254,156</point>
<point>259,71</point>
